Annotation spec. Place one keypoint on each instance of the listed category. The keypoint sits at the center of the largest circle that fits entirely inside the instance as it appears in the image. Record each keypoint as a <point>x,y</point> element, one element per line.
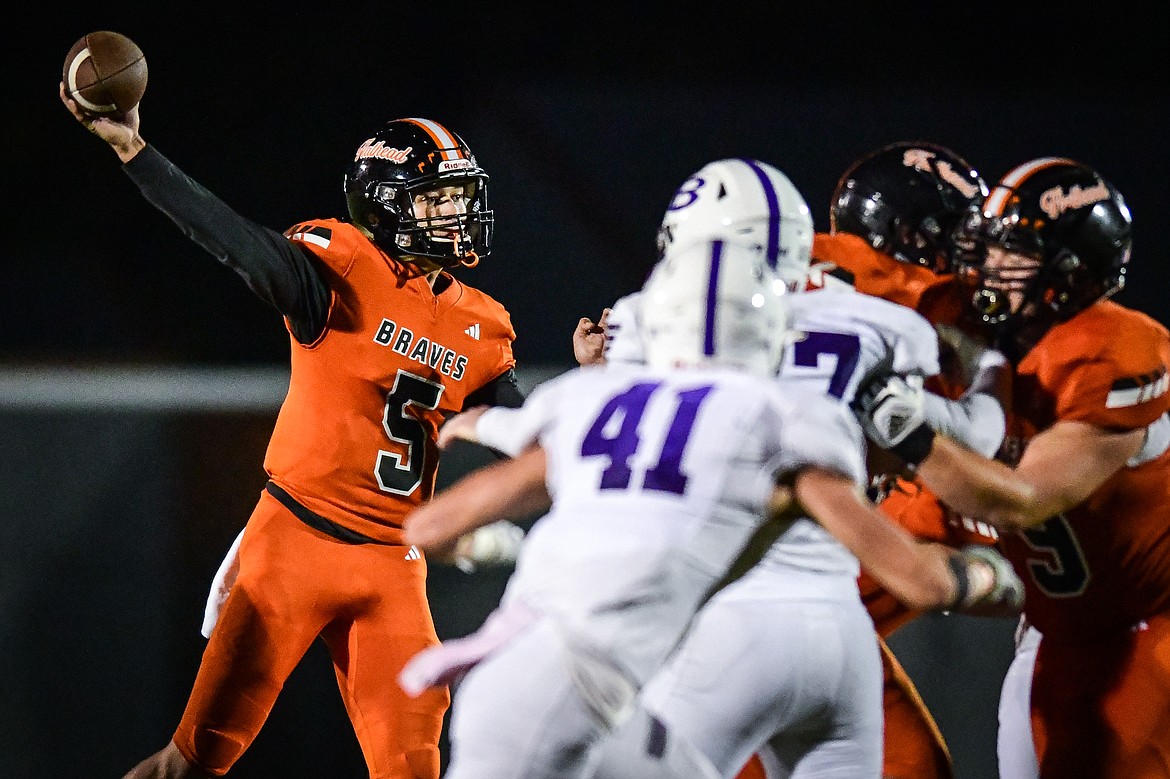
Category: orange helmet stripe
<point>443,138</point>
<point>1002,191</point>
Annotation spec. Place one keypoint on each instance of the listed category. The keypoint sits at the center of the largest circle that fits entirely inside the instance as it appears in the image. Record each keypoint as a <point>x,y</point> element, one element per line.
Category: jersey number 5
<point>1064,573</point>
<point>396,473</point>
<point>619,445</point>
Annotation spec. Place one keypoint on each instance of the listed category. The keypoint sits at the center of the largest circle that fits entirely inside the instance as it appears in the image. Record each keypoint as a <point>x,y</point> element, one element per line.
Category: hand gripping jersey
<point>1105,565</point>
<point>353,441</point>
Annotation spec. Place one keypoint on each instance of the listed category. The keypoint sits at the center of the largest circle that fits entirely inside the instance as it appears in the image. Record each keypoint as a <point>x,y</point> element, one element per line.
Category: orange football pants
<point>913,746</point>
<point>366,601</point>
<point>1102,708</point>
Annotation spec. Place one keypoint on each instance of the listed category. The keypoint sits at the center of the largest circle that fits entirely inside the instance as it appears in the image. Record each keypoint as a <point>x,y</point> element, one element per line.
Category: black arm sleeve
<point>276,269</point>
<point>500,391</point>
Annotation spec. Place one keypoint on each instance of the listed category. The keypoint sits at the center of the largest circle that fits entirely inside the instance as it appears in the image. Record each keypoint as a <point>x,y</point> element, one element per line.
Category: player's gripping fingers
<point>993,588</point>
<point>589,340</point>
<point>892,411</point>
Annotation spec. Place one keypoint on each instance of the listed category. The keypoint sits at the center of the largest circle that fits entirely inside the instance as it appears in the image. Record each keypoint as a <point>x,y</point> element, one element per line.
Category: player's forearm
<point>503,431</point>
<point>923,576</point>
<point>975,420</point>
<point>979,487</point>
<point>886,551</point>
<point>507,490</point>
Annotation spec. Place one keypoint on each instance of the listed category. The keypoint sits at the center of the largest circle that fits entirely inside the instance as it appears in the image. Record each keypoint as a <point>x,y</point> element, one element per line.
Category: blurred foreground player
<point>742,635</point>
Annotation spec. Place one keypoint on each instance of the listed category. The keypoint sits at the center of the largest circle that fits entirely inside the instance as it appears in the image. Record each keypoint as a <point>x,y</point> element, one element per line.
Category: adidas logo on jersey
<point>413,554</point>
<point>473,331</point>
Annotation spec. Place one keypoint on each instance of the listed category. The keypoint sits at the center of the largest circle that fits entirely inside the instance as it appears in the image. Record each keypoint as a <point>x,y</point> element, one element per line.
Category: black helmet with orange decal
<point>1065,216</point>
<point>401,162</point>
<point>905,200</point>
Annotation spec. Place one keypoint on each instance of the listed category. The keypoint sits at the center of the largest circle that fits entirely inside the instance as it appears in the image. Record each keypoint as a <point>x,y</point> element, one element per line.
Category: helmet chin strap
<point>470,261</point>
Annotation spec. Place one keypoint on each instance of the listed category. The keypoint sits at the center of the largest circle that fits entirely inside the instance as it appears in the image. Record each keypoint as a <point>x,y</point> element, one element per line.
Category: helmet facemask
<point>1080,251</point>
<point>448,239</point>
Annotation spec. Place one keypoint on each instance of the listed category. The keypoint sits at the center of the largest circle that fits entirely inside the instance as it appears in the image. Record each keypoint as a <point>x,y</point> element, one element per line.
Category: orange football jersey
<point>1104,565</point>
<point>354,440</point>
<point>874,273</point>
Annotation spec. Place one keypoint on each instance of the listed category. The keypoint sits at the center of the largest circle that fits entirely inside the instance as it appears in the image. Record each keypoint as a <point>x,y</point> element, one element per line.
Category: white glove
<point>988,585</point>
<point>492,545</point>
<point>892,410</point>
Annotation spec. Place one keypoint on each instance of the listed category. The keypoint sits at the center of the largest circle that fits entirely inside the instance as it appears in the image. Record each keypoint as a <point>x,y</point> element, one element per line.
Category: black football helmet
<point>1063,214</point>
<point>905,200</point>
<point>403,158</point>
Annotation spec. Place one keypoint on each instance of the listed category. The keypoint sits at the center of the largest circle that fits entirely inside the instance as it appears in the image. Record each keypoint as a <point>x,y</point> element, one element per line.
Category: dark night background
<point>587,118</point>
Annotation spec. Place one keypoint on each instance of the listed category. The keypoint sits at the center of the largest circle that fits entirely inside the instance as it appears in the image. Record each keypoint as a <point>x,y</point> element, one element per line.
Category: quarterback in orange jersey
<point>384,343</point>
<point>1087,434</point>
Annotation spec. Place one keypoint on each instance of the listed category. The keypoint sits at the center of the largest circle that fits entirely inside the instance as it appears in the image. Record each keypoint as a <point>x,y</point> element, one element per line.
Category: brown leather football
<point>105,72</point>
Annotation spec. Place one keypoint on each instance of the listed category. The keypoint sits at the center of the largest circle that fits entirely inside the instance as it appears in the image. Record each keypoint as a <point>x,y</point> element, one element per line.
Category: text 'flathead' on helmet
<point>1063,214</point>
<point>715,303</point>
<point>905,200</point>
<point>403,160</point>
<point>747,202</point>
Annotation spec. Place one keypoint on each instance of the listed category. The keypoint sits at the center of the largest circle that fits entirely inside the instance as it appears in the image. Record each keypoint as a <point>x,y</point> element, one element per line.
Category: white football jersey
<point>847,337</point>
<point>659,479</point>
<point>844,338</point>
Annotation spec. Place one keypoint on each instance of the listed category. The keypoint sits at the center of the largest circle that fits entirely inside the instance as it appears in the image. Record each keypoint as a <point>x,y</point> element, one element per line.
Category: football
<point>105,72</point>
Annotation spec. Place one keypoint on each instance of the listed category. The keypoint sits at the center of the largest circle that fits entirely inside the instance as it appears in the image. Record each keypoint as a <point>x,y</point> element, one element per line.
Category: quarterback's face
<point>433,205</point>
<point>1010,272</point>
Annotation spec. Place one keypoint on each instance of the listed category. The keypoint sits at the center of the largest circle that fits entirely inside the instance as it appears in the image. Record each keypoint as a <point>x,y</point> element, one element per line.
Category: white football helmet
<point>744,201</point>
<point>715,303</point>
